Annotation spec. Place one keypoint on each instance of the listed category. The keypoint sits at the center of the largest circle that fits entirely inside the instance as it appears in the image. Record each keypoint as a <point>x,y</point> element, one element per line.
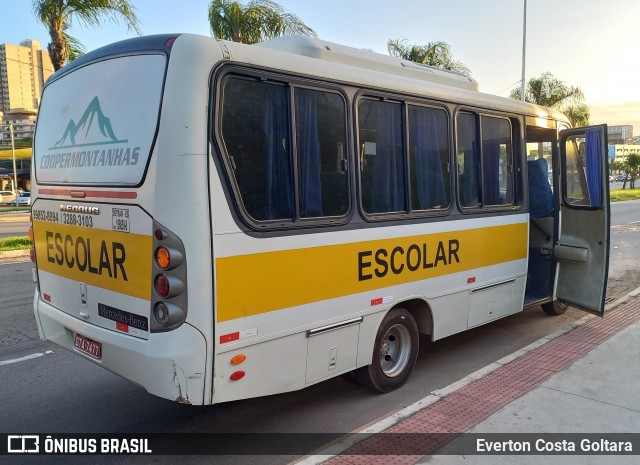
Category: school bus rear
<point>108,225</point>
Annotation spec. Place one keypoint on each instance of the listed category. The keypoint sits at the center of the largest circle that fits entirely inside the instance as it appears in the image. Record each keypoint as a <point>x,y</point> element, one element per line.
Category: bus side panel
<point>273,294</point>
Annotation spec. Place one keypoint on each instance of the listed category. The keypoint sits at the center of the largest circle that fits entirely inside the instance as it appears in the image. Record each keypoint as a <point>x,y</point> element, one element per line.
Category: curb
<point>6,217</point>
<point>11,255</point>
<point>336,449</point>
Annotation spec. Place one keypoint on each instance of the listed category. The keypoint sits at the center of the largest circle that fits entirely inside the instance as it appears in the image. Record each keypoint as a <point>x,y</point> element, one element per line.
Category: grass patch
<point>14,243</point>
<point>618,195</point>
<point>14,209</point>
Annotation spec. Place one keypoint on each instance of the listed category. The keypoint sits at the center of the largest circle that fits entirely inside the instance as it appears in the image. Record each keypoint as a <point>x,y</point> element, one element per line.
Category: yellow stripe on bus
<point>263,282</point>
<point>117,261</point>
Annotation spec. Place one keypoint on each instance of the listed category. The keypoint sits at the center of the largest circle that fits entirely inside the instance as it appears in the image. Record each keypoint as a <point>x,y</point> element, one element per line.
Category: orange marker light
<point>163,257</point>
<point>238,359</point>
<point>30,233</point>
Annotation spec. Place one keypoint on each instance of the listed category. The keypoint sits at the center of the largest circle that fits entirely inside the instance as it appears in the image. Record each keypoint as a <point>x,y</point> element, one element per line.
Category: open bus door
<point>582,248</point>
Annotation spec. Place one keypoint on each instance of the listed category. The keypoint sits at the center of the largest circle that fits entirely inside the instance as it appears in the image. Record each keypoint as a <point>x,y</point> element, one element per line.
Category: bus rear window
<point>96,125</point>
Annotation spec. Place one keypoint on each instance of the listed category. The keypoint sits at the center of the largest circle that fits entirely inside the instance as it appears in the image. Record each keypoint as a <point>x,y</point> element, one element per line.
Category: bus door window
<point>582,176</point>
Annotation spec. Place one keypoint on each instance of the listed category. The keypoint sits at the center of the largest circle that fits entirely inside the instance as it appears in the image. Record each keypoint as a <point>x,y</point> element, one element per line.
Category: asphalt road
<point>62,392</point>
<point>14,224</point>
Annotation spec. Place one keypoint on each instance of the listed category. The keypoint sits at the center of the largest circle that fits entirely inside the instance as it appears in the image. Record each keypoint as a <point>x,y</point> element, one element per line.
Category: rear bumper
<point>171,365</point>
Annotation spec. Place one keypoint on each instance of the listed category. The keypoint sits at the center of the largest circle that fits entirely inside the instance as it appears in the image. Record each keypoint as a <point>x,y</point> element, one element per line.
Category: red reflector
<point>236,375</point>
<point>230,337</point>
<point>47,297</point>
<point>162,286</point>
<point>471,280</point>
<point>170,42</point>
<point>122,327</point>
<point>376,301</point>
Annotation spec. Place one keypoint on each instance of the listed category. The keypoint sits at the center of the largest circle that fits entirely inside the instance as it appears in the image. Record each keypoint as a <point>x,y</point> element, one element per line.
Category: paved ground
<point>583,380</point>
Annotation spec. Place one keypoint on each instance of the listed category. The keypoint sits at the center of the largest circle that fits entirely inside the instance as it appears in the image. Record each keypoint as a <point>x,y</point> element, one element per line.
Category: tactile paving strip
<point>441,422</point>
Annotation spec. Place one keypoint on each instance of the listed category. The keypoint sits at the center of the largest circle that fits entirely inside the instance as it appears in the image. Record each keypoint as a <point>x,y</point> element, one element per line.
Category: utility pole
<point>15,174</point>
<point>524,48</point>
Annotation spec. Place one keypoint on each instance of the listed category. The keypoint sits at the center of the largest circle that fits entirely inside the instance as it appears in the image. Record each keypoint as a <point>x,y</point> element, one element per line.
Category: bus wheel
<point>554,308</point>
<point>394,353</point>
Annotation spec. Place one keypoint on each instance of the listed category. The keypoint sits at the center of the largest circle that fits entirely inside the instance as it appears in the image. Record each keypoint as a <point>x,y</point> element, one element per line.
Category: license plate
<point>88,346</point>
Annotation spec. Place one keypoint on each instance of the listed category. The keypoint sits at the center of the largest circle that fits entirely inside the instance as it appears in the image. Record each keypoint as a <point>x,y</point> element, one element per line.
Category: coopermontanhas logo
<point>94,128</point>
<point>87,143</point>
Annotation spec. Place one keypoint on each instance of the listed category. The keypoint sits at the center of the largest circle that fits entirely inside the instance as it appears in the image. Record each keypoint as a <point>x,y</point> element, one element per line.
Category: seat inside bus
<point>541,206</point>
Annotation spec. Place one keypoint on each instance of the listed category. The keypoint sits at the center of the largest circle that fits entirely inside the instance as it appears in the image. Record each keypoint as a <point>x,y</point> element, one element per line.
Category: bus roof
<point>317,58</point>
<point>334,62</point>
<point>328,51</point>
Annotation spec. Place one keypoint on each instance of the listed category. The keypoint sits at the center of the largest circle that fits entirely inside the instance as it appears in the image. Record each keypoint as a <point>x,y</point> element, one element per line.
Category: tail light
<point>162,286</point>
<point>169,299</point>
<point>168,286</point>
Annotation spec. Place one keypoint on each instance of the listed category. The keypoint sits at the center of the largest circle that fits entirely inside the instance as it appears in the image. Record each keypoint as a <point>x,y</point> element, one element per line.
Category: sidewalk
<point>585,379</point>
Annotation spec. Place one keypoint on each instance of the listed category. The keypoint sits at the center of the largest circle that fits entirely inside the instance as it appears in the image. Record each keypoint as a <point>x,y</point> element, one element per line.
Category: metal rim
<point>395,350</point>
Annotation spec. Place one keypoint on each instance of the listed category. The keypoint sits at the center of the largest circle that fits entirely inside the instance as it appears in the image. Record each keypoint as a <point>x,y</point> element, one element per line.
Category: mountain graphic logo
<point>94,128</point>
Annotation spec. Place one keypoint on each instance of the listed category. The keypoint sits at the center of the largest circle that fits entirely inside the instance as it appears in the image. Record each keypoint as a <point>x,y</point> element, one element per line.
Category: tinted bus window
<point>256,129</point>
<point>382,168</point>
<point>321,143</point>
<point>485,161</point>
<point>428,158</point>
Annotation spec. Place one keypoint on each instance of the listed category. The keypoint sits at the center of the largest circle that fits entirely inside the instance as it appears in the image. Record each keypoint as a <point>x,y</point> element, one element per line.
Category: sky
<point>592,44</point>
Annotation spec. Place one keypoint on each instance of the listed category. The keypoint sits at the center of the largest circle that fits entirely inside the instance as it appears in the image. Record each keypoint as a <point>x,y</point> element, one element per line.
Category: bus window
<point>256,128</point>
<point>428,158</point>
<point>321,142</point>
<point>485,170</point>
<point>384,161</point>
<point>470,189</point>
<point>383,179</point>
<point>497,161</point>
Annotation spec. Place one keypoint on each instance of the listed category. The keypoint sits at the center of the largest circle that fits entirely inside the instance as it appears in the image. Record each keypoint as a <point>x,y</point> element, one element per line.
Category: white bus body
<point>155,259</point>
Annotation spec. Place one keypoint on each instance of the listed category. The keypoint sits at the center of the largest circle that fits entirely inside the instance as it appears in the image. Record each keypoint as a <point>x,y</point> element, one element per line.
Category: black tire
<point>554,308</point>
<point>394,353</point>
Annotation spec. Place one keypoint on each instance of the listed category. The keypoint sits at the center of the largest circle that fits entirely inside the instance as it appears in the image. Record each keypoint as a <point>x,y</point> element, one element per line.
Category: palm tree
<point>548,91</point>
<point>57,16</point>
<point>435,54</point>
<point>254,22</point>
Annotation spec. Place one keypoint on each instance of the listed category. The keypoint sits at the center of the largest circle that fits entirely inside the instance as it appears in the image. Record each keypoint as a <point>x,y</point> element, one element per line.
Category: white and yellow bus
<point>216,221</point>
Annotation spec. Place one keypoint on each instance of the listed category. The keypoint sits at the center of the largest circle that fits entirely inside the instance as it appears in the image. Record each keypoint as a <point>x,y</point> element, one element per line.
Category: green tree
<point>435,54</point>
<point>57,16</point>
<point>254,22</point>
<point>548,91</point>
<point>630,167</point>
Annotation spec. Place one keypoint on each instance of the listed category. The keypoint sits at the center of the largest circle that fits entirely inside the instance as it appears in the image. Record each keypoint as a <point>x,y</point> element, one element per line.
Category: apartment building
<point>24,69</point>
